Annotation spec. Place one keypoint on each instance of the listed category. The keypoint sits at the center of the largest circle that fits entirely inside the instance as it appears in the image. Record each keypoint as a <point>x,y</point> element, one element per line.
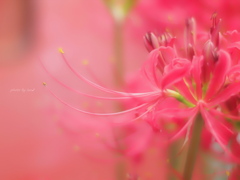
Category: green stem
<point>118,72</point>
<point>118,54</point>
<point>193,148</point>
<point>121,170</point>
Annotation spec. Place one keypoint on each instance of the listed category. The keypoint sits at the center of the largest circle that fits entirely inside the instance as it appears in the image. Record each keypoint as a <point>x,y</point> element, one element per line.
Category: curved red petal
<point>176,71</point>
<point>231,90</point>
<point>219,74</point>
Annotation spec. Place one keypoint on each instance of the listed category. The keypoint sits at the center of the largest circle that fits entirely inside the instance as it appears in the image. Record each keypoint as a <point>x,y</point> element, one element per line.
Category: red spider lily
<point>184,82</point>
<point>204,81</point>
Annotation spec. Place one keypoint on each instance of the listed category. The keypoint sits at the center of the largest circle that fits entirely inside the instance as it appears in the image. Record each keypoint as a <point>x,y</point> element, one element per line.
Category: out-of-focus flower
<point>173,13</point>
<point>120,8</point>
<point>16,31</point>
<point>33,146</point>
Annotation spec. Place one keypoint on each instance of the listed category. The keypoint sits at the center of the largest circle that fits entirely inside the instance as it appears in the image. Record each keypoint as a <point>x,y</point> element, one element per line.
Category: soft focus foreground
<point>43,139</point>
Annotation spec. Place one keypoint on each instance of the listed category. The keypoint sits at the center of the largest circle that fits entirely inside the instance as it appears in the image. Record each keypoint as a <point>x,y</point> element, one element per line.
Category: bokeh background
<point>40,138</point>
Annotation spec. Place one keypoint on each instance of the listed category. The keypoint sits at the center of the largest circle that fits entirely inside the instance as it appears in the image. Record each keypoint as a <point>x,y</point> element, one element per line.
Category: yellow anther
<point>60,50</point>
<point>227,173</point>
<point>44,83</point>
<point>76,148</point>
<point>85,62</point>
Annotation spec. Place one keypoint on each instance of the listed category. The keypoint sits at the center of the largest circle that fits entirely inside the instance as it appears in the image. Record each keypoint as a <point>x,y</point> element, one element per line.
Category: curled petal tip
<point>191,24</point>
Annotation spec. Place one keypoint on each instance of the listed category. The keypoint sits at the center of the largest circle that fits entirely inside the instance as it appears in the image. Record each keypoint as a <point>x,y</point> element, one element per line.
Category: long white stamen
<point>106,89</point>
<point>98,114</point>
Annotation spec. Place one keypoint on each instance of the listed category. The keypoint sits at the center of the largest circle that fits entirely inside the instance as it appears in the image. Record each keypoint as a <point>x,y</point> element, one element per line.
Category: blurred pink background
<point>41,139</point>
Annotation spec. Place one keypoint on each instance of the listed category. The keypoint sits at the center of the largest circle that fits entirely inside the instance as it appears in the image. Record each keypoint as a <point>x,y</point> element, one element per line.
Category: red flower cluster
<point>198,74</point>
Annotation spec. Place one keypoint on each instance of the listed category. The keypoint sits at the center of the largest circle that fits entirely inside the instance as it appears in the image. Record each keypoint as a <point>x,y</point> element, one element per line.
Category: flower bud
<point>166,39</point>
<point>215,30</point>
<point>190,37</point>
<point>150,41</point>
<point>210,52</point>
<point>190,31</point>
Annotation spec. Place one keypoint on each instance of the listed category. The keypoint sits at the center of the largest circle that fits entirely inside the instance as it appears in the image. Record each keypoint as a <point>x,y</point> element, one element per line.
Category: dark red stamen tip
<point>150,41</point>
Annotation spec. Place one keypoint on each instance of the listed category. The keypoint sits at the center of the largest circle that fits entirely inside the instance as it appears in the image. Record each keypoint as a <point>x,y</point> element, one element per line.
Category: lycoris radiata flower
<point>189,77</point>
